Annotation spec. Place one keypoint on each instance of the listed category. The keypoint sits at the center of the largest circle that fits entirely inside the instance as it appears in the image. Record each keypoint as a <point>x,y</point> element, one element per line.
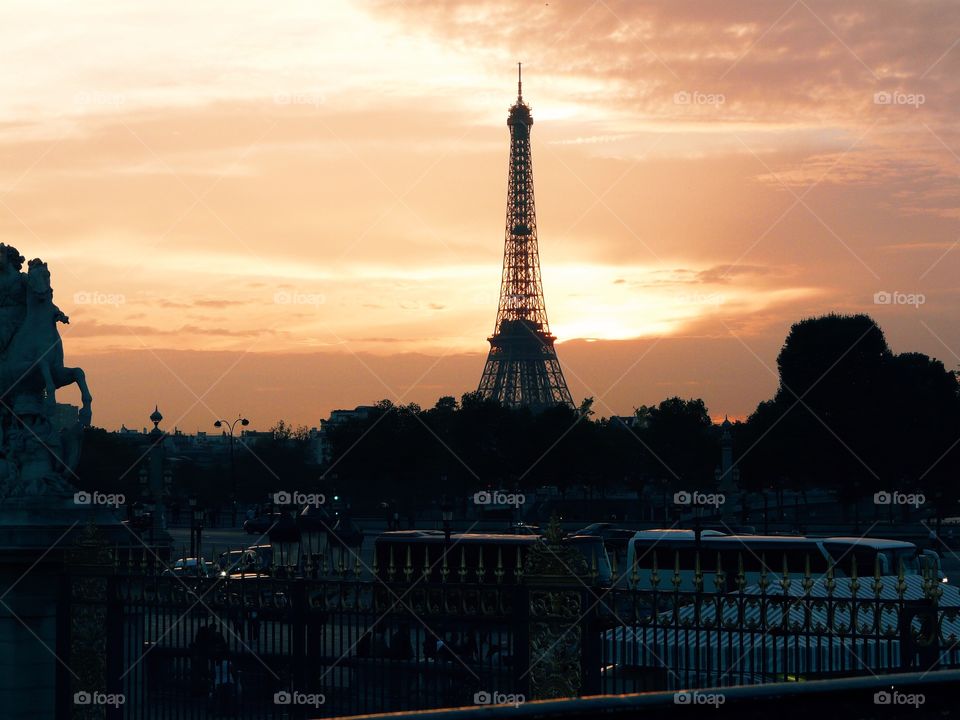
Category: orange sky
<point>304,201</point>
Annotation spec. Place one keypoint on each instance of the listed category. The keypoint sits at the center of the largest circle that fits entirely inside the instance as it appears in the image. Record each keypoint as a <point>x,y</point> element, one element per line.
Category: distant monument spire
<point>519,84</point>
<point>156,417</point>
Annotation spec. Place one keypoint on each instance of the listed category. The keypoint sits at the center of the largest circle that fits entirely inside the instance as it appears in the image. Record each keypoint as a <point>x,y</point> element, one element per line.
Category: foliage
<point>849,414</point>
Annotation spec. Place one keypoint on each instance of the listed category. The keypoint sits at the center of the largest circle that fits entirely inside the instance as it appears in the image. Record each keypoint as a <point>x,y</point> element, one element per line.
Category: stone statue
<point>35,456</point>
<point>13,294</point>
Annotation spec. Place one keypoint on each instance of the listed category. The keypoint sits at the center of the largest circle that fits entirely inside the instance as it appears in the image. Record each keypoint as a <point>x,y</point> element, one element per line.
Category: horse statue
<point>36,450</point>
<point>34,358</point>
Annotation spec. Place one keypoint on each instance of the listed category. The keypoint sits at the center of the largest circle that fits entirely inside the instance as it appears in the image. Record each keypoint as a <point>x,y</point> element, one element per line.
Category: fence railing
<point>330,642</point>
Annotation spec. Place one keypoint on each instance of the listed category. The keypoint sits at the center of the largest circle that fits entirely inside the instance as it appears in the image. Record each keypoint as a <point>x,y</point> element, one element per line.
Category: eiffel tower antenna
<point>522,368</point>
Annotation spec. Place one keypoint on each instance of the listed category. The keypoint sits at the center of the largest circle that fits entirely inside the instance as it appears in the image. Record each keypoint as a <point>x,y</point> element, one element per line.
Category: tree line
<point>848,415</point>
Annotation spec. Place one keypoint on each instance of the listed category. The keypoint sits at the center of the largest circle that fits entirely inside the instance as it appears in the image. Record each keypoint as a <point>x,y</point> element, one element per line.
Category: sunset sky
<point>277,209</point>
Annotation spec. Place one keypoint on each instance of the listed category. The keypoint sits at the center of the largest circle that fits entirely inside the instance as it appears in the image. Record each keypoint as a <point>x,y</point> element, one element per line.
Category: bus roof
<point>437,536</point>
<point>716,538</point>
<point>874,543</point>
<point>673,533</point>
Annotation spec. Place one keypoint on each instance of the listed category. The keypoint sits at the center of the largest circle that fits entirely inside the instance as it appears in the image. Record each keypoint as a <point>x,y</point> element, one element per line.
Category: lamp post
<point>233,474</point>
<point>697,527</point>
<point>766,511</point>
<point>144,492</point>
<point>285,543</point>
<point>196,527</point>
<point>446,513</point>
<point>312,523</point>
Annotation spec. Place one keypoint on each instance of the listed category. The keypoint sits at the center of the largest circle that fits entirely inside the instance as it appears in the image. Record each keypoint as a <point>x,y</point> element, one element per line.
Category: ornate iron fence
<point>269,645</point>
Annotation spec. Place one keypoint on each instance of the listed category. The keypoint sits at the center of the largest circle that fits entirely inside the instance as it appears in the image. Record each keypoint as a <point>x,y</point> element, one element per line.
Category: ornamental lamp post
<point>312,525</point>
<point>285,541</point>
<point>233,471</point>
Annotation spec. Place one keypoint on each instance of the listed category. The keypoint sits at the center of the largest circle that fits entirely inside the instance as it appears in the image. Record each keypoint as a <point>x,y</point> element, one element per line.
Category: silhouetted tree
<point>852,416</point>
<point>681,448</point>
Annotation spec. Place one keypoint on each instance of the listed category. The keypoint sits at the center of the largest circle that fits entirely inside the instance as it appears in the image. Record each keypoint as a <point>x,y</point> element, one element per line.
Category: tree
<point>681,447</point>
<point>852,416</point>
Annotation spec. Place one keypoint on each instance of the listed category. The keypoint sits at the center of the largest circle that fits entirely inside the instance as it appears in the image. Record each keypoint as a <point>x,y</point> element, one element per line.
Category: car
<point>615,540</point>
<point>140,522</point>
<point>522,528</point>
<point>254,560</point>
<point>613,536</point>
<point>188,567</point>
<point>261,524</point>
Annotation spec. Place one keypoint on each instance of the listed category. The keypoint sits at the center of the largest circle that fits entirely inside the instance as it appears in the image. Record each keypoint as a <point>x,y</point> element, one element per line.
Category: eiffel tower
<point>522,368</point>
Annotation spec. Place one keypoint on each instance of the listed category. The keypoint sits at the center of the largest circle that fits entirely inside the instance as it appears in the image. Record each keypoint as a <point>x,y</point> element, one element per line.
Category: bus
<point>672,549</point>
<point>472,557</point>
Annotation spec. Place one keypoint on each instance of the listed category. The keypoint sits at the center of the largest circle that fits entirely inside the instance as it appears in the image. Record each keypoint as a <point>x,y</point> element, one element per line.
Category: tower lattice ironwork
<point>522,368</point>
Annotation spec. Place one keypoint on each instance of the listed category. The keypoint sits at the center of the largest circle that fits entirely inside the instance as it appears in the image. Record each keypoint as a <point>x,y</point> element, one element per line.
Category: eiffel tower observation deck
<point>522,369</point>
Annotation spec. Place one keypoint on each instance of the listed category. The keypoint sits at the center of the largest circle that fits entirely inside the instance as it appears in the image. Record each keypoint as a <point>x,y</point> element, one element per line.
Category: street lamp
<point>312,524</point>
<point>196,527</point>
<point>233,474</point>
<point>285,542</point>
<point>446,513</point>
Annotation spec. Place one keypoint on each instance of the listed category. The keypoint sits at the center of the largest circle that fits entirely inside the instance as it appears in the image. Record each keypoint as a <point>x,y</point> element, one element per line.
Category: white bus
<point>671,548</point>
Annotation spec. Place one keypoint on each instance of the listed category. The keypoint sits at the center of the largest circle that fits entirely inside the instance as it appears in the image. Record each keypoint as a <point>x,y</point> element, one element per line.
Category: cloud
<point>772,61</point>
<point>93,328</point>
<point>219,303</point>
<point>725,273</point>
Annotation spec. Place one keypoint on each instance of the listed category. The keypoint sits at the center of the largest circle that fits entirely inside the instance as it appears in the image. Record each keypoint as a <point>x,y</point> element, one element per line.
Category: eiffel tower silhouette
<point>522,368</point>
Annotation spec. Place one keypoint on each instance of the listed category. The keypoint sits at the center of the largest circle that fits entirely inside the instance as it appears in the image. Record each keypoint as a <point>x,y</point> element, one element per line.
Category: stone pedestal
<point>39,539</point>
<point>28,642</point>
